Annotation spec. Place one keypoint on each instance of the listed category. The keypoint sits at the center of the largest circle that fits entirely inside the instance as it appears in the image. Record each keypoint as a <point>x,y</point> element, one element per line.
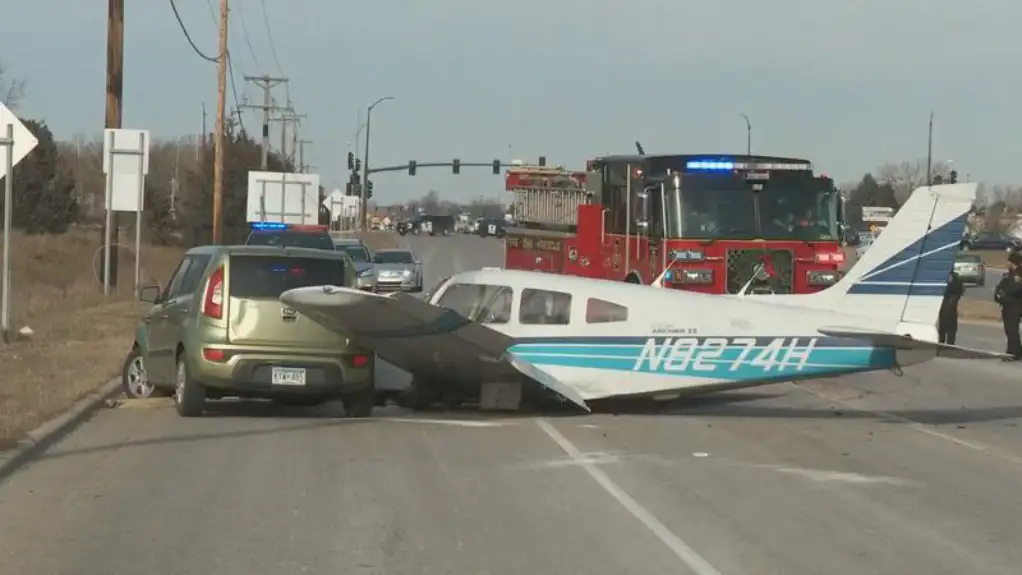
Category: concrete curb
<point>43,437</point>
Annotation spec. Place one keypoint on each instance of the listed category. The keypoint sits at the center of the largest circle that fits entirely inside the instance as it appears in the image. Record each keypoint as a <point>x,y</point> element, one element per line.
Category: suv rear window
<point>314,240</point>
<point>269,276</point>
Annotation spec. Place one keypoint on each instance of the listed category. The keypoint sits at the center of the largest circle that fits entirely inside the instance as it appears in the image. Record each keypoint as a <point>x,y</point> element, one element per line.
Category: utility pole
<point>362,212</point>
<point>218,129</point>
<point>287,116</point>
<point>114,103</point>
<point>302,166</point>
<point>267,83</point>
<point>202,139</point>
<point>748,135</point>
<point>929,153</point>
<point>176,180</point>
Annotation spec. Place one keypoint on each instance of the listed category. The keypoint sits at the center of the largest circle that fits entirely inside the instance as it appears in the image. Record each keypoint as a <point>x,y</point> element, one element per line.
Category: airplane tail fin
<point>902,276</point>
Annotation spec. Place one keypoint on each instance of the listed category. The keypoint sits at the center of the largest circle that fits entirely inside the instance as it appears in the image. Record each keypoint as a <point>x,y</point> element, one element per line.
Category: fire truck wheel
<point>633,278</point>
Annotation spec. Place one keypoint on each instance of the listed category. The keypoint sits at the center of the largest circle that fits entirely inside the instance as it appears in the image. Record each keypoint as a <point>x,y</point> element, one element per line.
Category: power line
<point>234,92</point>
<point>248,37</point>
<point>188,36</point>
<point>273,50</point>
<point>269,35</point>
<point>230,71</point>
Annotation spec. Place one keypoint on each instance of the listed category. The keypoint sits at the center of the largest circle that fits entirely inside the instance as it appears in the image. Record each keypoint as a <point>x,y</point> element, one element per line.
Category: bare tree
<point>12,90</point>
<point>905,177</point>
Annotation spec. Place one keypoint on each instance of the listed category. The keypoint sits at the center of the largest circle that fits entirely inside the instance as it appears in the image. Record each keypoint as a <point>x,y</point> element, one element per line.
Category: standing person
<point>947,322</point>
<point>1008,293</point>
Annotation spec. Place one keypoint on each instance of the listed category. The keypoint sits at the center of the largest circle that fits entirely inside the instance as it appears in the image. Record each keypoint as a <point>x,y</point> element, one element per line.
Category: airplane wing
<point>425,340</point>
<point>896,341</point>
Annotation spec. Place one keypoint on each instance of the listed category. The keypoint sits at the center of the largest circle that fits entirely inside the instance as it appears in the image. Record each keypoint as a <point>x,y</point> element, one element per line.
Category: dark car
<point>437,224</point>
<point>290,236</point>
<point>495,227</point>
<point>991,241</point>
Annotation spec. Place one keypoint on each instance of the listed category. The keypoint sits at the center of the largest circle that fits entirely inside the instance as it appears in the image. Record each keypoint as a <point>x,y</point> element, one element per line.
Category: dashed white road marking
<point>973,445</point>
<point>688,556</point>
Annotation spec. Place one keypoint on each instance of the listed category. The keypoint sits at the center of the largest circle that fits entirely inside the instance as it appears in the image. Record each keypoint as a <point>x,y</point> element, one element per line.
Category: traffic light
<point>358,164</point>
<point>369,189</point>
<point>411,168</point>
<point>456,166</point>
<point>496,167</point>
<point>351,160</point>
<point>953,176</point>
<point>542,161</point>
<point>347,189</point>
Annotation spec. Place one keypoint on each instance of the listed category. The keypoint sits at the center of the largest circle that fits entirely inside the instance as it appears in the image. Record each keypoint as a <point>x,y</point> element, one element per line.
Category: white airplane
<point>587,339</point>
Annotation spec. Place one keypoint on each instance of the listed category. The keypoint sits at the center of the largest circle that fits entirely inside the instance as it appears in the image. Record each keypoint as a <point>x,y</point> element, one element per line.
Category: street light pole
<point>365,163</point>
<point>748,136</point>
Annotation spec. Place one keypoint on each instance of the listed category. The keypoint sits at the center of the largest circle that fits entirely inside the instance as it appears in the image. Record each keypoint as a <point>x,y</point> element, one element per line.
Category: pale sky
<point>848,85</point>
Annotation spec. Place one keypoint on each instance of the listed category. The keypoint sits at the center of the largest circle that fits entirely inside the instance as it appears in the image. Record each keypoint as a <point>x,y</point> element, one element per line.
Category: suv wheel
<point>359,404</point>
<point>189,395</point>
<point>135,381</point>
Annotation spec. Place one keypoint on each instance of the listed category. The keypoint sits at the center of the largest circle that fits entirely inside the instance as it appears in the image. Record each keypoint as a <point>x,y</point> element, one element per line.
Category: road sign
<point>17,142</point>
<point>24,140</point>
<point>284,197</point>
<point>335,197</point>
<point>127,151</point>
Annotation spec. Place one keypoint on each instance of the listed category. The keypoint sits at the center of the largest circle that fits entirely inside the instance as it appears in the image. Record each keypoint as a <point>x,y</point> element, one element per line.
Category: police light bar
<point>725,165</point>
<point>278,226</point>
<point>268,226</point>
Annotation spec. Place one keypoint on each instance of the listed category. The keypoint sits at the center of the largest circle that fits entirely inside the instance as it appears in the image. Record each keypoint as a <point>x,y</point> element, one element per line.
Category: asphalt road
<point>919,474</point>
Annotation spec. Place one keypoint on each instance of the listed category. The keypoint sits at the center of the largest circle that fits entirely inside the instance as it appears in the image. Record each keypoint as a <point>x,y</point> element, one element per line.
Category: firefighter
<point>1008,293</point>
<point>947,322</point>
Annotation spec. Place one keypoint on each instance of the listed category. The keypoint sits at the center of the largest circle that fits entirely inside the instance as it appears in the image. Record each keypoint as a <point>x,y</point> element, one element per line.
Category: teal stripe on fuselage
<point>790,358</point>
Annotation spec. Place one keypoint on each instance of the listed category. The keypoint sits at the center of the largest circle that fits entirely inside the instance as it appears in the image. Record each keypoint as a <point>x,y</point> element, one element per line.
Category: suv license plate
<point>287,376</point>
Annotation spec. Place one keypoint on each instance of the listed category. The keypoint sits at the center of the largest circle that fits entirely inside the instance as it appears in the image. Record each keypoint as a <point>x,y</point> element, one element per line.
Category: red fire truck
<point>717,224</point>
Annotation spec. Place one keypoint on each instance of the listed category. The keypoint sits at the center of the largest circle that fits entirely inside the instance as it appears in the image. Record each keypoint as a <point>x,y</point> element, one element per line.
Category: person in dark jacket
<point>1008,293</point>
<point>947,322</point>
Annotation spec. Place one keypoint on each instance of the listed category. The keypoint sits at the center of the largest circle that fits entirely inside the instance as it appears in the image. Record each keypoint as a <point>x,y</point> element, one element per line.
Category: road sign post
<point>8,145</point>
<point>17,142</point>
<point>125,191</point>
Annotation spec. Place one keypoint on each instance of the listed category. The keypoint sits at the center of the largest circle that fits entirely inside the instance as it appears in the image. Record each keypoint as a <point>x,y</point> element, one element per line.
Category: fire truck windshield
<point>781,206</point>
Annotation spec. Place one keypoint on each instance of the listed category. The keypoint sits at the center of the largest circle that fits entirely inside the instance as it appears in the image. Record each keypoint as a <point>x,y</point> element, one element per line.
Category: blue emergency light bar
<point>269,226</point>
<point>728,165</point>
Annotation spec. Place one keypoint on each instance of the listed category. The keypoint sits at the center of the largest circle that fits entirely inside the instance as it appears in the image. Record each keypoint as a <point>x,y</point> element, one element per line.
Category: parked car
<point>363,260</point>
<point>970,269</point>
<point>991,241</point>
<point>398,270</point>
<point>219,330</point>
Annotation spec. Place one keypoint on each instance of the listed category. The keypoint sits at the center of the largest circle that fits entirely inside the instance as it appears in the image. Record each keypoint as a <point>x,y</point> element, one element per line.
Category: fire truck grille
<point>742,264</point>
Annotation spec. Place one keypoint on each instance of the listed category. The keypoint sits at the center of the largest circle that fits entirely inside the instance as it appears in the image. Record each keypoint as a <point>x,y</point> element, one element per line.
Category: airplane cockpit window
<point>599,311</point>
<point>479,302</point>
<point>544,307</point>
<point>497,308</point>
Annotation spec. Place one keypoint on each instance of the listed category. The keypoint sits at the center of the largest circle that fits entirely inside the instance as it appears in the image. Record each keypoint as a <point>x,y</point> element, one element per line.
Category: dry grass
<point>81,337</point>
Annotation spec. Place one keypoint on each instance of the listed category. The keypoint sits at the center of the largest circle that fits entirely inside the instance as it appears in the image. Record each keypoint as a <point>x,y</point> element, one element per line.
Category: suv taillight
<point>213,302</point>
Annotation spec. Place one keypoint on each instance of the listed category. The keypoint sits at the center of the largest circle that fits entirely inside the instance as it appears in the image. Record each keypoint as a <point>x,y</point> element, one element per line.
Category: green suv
<point>219,330</point>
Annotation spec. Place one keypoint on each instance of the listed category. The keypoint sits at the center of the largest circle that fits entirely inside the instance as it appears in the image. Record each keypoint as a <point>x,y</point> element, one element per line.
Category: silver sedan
<point>397,270</point>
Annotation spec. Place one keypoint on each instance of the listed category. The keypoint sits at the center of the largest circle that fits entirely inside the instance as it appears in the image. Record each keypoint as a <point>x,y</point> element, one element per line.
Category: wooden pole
<point>218,128</point>
<point>114,98</point>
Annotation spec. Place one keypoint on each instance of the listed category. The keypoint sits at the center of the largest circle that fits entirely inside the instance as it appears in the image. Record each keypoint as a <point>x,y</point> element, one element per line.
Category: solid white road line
<point>688,556</point>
